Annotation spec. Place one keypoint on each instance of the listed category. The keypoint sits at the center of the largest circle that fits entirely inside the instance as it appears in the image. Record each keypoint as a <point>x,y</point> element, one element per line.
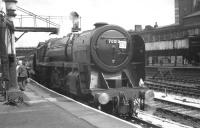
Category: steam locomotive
<point>104,66</point>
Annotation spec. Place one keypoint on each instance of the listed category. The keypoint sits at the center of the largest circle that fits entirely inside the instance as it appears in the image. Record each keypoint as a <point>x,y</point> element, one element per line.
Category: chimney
<point>138,28</point>
<point>100,24</point>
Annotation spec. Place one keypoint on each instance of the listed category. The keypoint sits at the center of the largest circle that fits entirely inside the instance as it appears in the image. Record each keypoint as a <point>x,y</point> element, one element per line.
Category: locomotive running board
<point>99,79</point>
<point>95,78</point>
<point>115,76</point>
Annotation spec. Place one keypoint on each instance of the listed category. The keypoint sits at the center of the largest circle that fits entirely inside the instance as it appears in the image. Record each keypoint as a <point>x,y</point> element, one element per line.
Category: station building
<point>177,44</point>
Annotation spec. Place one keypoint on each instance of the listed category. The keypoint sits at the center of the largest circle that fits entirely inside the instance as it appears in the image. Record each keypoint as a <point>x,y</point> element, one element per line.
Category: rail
<point>179,112</point>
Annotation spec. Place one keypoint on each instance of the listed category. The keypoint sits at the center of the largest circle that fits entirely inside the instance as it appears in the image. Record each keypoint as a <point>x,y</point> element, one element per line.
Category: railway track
<point>144,124</point>
<point>164,86</point>
<point>184,114</point>
<point>149,121</point>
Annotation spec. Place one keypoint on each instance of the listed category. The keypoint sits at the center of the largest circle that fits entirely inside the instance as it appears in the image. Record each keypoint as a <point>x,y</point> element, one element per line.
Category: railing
<point>35,18</point>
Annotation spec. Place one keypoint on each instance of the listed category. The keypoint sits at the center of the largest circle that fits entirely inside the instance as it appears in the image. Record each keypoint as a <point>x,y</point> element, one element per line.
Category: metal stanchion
<point>165,92</point>
<point>14,95</point>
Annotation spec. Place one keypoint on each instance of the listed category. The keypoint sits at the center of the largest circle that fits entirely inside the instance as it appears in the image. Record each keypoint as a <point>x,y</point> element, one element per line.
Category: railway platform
<point>43,108</point>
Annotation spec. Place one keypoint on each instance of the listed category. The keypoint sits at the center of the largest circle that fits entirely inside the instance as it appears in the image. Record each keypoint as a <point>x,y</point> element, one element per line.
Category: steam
<point>75,18</point>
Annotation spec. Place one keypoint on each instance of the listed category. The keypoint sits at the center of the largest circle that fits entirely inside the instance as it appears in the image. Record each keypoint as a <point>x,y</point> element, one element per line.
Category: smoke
<point>74,16</point>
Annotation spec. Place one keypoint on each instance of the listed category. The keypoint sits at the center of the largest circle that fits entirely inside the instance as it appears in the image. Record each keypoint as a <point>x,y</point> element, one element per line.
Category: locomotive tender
<point>104,66</point>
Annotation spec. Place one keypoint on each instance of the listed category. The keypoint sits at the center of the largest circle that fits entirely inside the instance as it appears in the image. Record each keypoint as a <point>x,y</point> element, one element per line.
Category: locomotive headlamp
<point>149,96</point>
<point>103,98</point>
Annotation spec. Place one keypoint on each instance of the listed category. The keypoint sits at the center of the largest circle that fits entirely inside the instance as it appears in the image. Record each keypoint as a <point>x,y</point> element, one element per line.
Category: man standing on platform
<point>22,75</point>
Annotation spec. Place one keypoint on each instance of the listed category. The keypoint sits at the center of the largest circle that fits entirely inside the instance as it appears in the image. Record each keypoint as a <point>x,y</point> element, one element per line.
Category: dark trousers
<point>22,83</point>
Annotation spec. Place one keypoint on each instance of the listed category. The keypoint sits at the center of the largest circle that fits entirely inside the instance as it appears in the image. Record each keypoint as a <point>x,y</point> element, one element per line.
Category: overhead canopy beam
<point>53,30</point>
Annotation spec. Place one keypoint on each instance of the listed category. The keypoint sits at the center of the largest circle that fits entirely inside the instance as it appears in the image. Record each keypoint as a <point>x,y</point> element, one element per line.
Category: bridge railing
<point>36,19</point>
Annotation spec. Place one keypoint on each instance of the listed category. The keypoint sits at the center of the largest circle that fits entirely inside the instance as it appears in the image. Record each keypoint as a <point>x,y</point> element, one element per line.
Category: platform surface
<point>45,109</point>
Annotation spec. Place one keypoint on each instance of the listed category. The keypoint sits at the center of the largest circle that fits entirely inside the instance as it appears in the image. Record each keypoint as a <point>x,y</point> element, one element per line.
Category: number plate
<point>122,43</point>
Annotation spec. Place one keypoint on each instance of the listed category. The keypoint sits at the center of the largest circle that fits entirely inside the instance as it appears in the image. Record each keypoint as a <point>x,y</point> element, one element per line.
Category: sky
<point>125,13</point>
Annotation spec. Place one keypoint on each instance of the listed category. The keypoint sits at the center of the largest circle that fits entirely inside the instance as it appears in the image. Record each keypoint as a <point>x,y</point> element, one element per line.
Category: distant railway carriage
<point>104,66</point>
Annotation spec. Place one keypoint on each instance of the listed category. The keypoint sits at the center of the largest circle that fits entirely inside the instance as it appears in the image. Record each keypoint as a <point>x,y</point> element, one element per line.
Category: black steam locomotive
<point>104,66</point>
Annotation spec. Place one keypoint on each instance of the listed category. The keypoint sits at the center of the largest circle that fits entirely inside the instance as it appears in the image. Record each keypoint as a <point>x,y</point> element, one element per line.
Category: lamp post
<point>13,91</point>
<point>11,8</point>
<point>3,48</point>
